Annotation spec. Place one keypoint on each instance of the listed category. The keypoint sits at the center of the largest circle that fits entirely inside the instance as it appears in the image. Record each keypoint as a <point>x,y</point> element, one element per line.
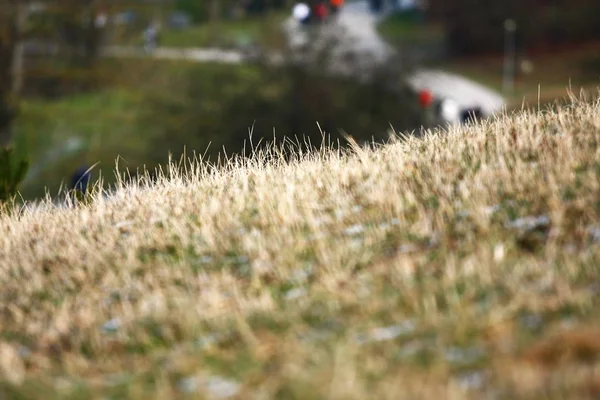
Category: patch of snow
<point>302,274</point>
<point>490,210</point>
<point>353,230</point>
<point>205,259</point>
<point>388,332</point>
<point>529,223</point>
<point>123,224</point>
<point>112,325</point>
<point>408,248</point>
<point>208,340</point>
<point>457,355</point>
<point>24,351</point>
<point>532,321</point>
<point>472,380</point>
<point>295,293</point>
<point>594,232</point>
<point>463,213</point>
<point>222,388</point>
<point>188,384</point>
<point>356,209</point>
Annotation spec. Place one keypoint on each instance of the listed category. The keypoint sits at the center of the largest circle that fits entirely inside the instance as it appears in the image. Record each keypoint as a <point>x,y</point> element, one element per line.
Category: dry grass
<point>462,264</point>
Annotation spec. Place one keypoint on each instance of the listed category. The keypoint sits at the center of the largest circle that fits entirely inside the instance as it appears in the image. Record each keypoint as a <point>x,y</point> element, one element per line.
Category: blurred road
<point>189,54</point>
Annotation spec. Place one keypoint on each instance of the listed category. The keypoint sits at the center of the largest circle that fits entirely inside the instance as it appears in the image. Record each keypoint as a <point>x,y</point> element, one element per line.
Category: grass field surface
<point>228,33</point>
<point>453,264</point>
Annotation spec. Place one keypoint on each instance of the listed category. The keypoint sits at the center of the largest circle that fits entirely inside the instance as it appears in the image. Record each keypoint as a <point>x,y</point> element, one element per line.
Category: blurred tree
<point>215,17</point>
<point>196,9</point>
<point>76,28</point>
<point>75,23</point>
<point>475,27</point>
<point>203,11</point>
<point>13,167</point>
<point>12,18</point>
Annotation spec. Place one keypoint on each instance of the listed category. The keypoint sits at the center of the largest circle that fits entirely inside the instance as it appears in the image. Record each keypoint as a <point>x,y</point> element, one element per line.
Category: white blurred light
<point>301,11</point>
<point>450,110</point>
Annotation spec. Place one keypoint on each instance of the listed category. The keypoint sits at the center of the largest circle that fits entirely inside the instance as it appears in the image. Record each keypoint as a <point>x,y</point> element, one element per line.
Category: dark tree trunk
<point>214,18</point>
<point>12,19</point>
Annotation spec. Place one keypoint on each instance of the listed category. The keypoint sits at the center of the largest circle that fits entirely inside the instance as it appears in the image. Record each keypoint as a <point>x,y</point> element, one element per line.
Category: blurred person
<point>151,36</point>
<point>101,19</point>
<point>404,5</point>
<point>376,5</point>
<point>302,13</point>
<point>335,6</point>
<point>320,11</point>
<point>80,181</point>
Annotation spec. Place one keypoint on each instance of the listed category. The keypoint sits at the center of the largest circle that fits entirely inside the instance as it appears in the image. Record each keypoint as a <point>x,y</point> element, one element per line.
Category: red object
<point>425,98</point>
<point>321,11</point>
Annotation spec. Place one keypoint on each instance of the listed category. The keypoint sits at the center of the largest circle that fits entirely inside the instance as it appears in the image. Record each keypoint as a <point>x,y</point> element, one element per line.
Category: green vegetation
<point>151,108</point>
<point>262,30</point>
<point>408,28</point>
<point>77,130</point>
<point>13,167</point>
<point>430,267</point>
<point>100,126</point>
<point>419,40</point>
<point>222,107</point>
<point>201,35</point>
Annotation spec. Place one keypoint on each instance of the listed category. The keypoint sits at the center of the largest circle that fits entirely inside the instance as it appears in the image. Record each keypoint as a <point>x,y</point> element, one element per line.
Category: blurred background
<point>84,82</point>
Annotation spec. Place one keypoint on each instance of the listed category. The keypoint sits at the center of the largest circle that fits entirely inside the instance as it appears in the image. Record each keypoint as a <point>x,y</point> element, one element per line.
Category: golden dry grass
<point>461,264</point>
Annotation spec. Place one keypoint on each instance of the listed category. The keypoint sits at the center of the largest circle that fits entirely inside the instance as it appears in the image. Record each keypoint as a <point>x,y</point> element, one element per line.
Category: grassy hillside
<point>462,264</point>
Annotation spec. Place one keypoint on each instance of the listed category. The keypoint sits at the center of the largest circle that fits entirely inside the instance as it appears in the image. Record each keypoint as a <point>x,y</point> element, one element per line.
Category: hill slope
<point>450,265</point>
